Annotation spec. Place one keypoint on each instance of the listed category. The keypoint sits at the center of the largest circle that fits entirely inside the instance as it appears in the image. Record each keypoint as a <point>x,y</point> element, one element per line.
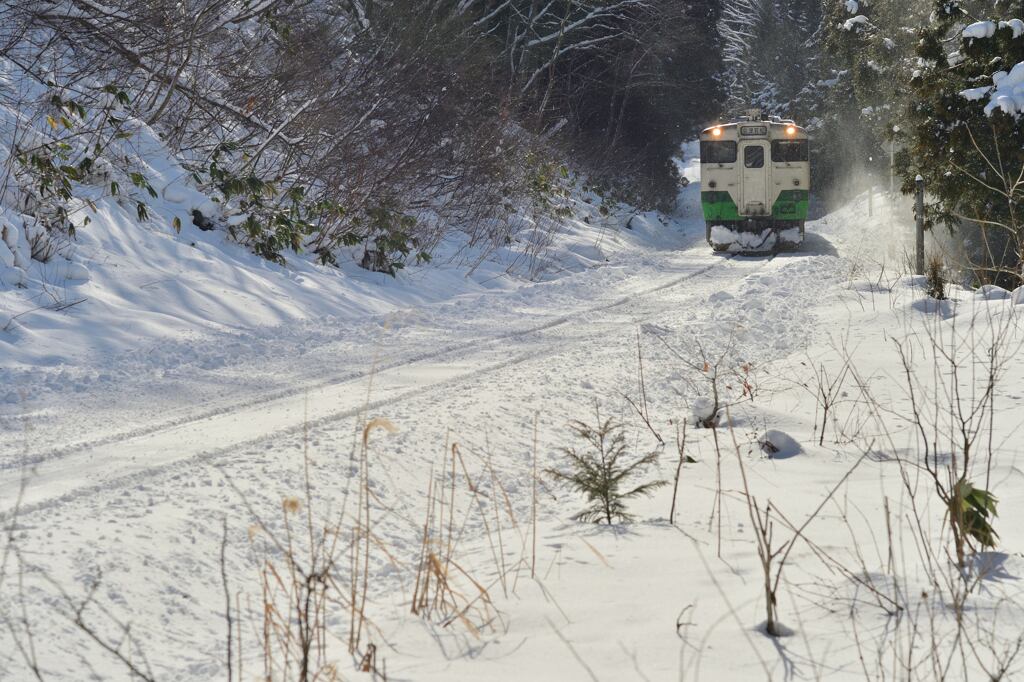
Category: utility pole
<point>871,186</point>
<point>892,167</point>
<point>919,210</point>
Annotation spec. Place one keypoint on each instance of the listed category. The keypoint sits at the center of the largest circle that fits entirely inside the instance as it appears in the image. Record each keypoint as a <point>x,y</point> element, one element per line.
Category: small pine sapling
<point>603,471</point>
<point>936,277</point>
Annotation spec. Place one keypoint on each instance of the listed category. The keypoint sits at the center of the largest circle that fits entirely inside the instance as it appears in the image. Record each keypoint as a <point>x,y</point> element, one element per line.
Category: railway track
<point>43,479</point>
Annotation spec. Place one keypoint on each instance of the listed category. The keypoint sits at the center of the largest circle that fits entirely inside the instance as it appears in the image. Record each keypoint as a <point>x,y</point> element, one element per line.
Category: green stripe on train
<point>719,206</point>
<point>791,205</point>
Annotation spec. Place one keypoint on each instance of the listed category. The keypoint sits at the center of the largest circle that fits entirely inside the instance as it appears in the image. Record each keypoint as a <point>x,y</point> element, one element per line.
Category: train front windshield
<point>790,151</point>
<point>718,152</point>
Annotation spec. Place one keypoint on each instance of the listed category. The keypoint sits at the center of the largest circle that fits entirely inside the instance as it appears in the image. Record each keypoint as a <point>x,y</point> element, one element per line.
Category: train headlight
<point>717,132</point>
<point>791,130</point>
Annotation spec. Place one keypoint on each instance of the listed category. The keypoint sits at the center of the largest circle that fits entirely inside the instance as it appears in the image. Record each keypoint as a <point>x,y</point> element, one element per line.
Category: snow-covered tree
<point>967,134</point>
<point>769,52</point>
<point>870,59</point>
<point>622,81</point>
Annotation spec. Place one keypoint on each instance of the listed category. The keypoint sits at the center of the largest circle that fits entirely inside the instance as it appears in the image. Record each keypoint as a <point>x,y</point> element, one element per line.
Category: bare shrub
<point>719,382</point>
<point>772,556</point>
<point>955,408</point>
<point>827,389</point>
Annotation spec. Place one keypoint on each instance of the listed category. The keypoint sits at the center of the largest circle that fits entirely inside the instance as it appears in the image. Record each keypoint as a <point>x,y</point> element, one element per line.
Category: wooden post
<point>892,164</point>
<point>919,211</point>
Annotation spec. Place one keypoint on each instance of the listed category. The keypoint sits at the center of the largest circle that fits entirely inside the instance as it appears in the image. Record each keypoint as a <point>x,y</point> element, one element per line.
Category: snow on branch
<point>1006,93</point>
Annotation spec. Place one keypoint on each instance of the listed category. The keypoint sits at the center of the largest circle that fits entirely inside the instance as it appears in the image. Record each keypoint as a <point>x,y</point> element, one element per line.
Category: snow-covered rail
<point>111,460</point>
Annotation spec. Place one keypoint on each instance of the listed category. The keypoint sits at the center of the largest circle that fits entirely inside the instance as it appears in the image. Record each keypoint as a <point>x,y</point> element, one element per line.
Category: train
<point>755,184</point>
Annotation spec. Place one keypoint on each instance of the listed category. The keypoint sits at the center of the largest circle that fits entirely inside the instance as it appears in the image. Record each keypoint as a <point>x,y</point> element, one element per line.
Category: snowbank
<point>779,445</point>
<point>991,292</point>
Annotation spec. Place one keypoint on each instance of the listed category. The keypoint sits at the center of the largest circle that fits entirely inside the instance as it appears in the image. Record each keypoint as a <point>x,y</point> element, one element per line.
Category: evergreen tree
<point>769,51</point>
<point>602,472</point>
<point>967,136</point>
<point>870,48</point>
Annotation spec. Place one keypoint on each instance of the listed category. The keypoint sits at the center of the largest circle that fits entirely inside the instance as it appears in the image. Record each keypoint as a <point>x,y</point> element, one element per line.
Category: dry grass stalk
<point>299,578</point>
<point>683,458</point>
<point>444,591</point>
<point>641,409</point>
<point>360,570</point>
<point>533,505</point>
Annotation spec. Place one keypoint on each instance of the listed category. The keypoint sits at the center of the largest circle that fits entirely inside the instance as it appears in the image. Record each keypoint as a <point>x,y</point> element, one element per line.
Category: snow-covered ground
<point>123,457</point>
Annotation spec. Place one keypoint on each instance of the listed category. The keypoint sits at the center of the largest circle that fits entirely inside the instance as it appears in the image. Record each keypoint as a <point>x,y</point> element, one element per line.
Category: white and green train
<point>755,184</point>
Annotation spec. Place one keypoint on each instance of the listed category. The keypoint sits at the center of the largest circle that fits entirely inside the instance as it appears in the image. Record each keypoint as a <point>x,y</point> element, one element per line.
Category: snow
<point>975,94</point>
<point>980,29</point>
<point>779,445</point>
<point>991,292</point>
<point>854,22</point>
<point>1016,25</point>
<point>204,385</point>
<point>987,29</point>
<point>1006,94</point>
<point>703,408</point>
<point>145,292</point>
<point>741,241</point>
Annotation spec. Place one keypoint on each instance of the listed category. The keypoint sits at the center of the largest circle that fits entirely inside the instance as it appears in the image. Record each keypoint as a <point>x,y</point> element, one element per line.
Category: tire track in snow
<point>11,461</point>
<point>119,459</point>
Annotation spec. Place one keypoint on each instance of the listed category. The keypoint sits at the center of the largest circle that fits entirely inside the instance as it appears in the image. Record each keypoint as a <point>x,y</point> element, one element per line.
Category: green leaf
<point>977,508</point>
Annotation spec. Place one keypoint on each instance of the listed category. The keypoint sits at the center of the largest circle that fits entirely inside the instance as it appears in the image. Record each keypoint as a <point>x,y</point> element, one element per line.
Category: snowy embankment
<point>472,396</point>
<point>134,303</point>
